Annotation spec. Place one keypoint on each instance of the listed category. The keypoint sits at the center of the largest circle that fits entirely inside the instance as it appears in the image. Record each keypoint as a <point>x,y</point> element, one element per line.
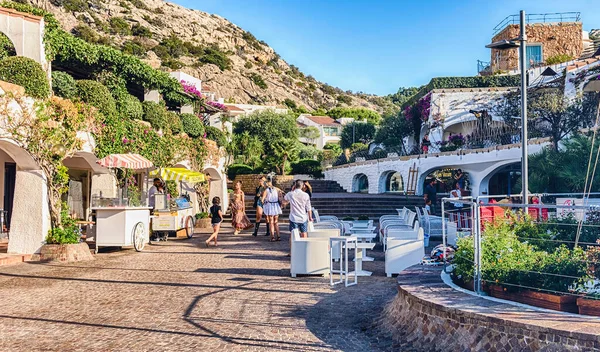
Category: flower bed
<point>532,263</point>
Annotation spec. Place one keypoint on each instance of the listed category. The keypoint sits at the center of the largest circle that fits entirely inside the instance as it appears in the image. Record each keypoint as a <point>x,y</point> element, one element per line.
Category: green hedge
<point>215,134</point>
<point>26,73</point>
<point>130,106</point>
<point>98,95</point>
<point>64,85</point>
<point>175,123</point>
<point>156,114</point>
<point>192,125</point>
<point>238,169</point>
<point>308,167</point>
<point>464,82</point>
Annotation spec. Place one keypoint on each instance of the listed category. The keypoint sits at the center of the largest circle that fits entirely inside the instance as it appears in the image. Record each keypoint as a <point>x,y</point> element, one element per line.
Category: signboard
<point>166,223</point>
<point>593,204</point>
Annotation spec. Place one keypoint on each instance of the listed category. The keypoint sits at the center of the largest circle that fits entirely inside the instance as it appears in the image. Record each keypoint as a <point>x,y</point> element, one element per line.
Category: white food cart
<point>174,217</point>
<point>121,221</point>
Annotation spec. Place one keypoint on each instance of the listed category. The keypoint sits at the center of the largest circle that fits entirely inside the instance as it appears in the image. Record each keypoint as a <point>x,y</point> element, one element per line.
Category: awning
<point>126,161</point>
<point>178,174</point>
<point>85,161</point>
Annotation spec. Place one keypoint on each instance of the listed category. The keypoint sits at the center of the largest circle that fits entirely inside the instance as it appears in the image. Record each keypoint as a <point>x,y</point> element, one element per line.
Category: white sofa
<point>310,255</point>
<point>404,251</point>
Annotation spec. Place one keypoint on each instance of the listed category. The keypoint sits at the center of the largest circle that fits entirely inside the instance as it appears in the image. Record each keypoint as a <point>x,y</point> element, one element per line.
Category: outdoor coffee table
<point>358,270</point>
<point>365,236</point>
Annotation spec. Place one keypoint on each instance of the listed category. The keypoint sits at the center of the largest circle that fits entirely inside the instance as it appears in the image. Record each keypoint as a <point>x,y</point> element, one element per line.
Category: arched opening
<point>391,182</point>
<point>216,186</point>
<point>7,47</point>
<point>505,180</point>
<point>446,177</point>
<point>360,184</point>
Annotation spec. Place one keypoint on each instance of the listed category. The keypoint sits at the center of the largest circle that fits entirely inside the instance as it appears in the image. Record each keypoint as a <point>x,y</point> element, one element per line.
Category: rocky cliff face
<point>256,73</point>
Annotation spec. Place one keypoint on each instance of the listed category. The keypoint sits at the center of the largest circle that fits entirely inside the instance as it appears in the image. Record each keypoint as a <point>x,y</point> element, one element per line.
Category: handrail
<point>538,18</point>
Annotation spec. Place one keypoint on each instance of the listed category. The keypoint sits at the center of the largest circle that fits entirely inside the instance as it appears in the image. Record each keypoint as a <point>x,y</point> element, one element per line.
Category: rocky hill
<point>231,61</point>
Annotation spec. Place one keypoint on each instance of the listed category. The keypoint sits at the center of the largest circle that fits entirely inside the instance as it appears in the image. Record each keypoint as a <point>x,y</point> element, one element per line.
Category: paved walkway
<point>180,295</point>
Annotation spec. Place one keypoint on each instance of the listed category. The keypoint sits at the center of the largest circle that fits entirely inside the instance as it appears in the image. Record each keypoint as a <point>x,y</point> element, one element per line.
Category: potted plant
<point>348,218</point>
<point>202,220</point>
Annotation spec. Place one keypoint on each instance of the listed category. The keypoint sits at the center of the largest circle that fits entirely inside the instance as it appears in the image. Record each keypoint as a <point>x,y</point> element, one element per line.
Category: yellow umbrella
<point>178,174</point>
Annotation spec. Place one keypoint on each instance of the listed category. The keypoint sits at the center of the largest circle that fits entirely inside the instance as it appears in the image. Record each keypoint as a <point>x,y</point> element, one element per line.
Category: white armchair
<point>402,253</point>
<point>319,218</point>
<point>310,255</point>
<point>400,231</point>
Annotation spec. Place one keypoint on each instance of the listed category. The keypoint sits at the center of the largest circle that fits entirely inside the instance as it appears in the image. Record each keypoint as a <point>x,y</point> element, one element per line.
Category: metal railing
<point>510,250</point>
<point>538,18</point>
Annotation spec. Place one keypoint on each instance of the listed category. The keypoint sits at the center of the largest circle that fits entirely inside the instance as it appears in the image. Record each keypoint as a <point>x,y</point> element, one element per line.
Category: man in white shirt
<point>300,208</point>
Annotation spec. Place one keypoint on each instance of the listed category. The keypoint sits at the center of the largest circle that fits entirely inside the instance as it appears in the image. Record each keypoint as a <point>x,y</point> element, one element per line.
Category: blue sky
<point>379,46</point>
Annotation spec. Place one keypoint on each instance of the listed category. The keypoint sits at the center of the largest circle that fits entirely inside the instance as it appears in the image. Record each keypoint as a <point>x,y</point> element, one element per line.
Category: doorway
<point>10,177</point>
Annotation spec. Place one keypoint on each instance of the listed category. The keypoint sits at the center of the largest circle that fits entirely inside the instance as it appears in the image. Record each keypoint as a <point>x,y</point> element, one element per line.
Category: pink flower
<point>125,140</point>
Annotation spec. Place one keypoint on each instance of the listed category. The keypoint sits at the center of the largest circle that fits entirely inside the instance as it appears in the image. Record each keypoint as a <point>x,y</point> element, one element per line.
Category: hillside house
<point>330,130</point>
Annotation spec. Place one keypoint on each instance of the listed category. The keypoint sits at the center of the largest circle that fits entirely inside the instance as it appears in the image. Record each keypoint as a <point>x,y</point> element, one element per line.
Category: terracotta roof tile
<point>323,120</point>
<point>233,108</point>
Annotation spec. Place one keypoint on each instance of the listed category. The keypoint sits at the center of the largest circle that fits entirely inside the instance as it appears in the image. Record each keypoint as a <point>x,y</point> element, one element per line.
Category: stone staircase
<point>326,186</point>
<point>352,204</point>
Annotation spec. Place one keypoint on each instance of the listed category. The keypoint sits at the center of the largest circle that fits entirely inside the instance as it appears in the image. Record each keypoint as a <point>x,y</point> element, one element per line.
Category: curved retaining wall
<point>435,317</point>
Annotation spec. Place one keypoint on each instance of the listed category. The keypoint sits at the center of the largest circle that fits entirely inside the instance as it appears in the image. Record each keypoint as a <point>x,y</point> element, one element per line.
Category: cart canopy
<point>126,161</point>
<point>178,174</point>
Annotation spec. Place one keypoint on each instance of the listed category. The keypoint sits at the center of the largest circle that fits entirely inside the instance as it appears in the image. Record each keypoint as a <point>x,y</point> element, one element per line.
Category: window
<point>534,55</point>
<point>331,131</point>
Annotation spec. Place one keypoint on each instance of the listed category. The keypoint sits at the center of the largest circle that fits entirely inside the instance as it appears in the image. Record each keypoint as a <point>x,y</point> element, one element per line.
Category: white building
<point>330,130</point>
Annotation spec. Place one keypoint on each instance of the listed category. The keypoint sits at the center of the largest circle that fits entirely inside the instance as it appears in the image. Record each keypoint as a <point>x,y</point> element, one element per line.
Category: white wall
<point>477,163</point>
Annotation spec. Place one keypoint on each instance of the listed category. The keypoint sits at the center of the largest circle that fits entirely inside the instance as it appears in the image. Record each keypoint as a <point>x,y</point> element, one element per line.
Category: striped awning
<point>178,174</point>
<point>126,161</point>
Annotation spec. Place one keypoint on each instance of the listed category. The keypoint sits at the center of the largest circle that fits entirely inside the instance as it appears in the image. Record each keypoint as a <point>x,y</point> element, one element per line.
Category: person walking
<point>272,209</point>
<point>430,193</point>
<point>459,177</point>
<point>308,189</point>
<point>258,205</point>
<point>300,208</point>
<point>216,218</point>
<point>239,220</point>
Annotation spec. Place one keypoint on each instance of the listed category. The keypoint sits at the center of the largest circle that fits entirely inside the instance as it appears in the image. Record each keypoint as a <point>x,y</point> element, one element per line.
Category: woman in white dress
<point>272,208</point>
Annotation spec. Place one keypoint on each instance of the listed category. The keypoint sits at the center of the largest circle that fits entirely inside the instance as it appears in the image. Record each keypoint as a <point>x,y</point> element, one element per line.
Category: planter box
<point>589,306</point>
<point>203,223</point>
<point>563,303</point>
<point>64,253</point>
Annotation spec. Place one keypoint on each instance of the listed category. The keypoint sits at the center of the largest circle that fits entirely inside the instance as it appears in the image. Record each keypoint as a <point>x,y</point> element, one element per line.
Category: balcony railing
<point>539,18</point>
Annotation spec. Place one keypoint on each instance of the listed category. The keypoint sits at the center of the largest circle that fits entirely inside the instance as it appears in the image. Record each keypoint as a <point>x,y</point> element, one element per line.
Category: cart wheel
<point>189,227</point>
<point>138,236</point>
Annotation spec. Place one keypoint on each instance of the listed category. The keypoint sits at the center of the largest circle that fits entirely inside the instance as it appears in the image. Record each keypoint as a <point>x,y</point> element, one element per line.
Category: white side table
<point>344,243</point>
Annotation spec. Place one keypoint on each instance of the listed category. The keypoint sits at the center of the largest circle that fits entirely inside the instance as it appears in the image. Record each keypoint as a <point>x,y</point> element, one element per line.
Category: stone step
<point>11,259</point>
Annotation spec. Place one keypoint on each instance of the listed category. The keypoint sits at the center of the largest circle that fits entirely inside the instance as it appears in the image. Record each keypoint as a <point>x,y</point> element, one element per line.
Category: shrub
<point>175,123</point>
<point>348,218</point>
<point>363,218</point>
<point>258,80</point>
<point>290,104</point>
<point>26,73</point>
<point>308,167</point>
<point>346,99</point>
<point>134,48</point>
<point>238,169</point>
<point>359,147</point>
<point>558,59</point>
<point>192,125</point>
<point>86,33</point>
<point>141,31</point>
<point>215,134</point>
<point>203,215</point>
<point>248,65</point>
<point>98,95</point>
<point>64,85</point>
<point>118,25</point>
<point>130,106</point>
<point>156,114</point>
<point>72,5</point>
<point>68,234</point>
<point>214,55</point>
<point>139,4</point>
<point>173,64</point>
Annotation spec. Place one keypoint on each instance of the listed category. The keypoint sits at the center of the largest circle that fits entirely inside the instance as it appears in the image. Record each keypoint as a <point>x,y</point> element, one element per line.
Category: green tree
<point>246,149</point>
<point>311,133</point>
<point>359,114</point>
<point>286,151</point>
<point>550,112</point>
<point>270,128</point>
<point>393,130</point>
<point>356,132</point>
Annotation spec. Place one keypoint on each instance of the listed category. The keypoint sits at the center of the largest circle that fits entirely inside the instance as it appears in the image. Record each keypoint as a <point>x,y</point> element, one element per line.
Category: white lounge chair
<point>319,218</point>
<point>309,255</point>
<point>402,253</point>
<point>399,231</point>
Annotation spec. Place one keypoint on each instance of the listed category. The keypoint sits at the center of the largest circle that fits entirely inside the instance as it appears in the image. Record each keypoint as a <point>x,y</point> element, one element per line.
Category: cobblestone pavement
<point>179,296</point>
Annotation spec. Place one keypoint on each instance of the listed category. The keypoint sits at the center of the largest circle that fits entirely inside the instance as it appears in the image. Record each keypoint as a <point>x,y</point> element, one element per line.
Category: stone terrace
<point>435,317</point>
<point>179,296</point>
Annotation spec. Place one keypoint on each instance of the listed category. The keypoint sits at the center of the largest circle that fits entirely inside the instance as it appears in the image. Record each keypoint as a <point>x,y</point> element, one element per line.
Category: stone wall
<point>556,39</point>
<point>249,182</point>
<point>434,317</point>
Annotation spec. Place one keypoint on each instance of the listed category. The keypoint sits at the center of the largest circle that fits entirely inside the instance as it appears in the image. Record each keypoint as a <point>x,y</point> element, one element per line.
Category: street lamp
<point>521,43</point>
